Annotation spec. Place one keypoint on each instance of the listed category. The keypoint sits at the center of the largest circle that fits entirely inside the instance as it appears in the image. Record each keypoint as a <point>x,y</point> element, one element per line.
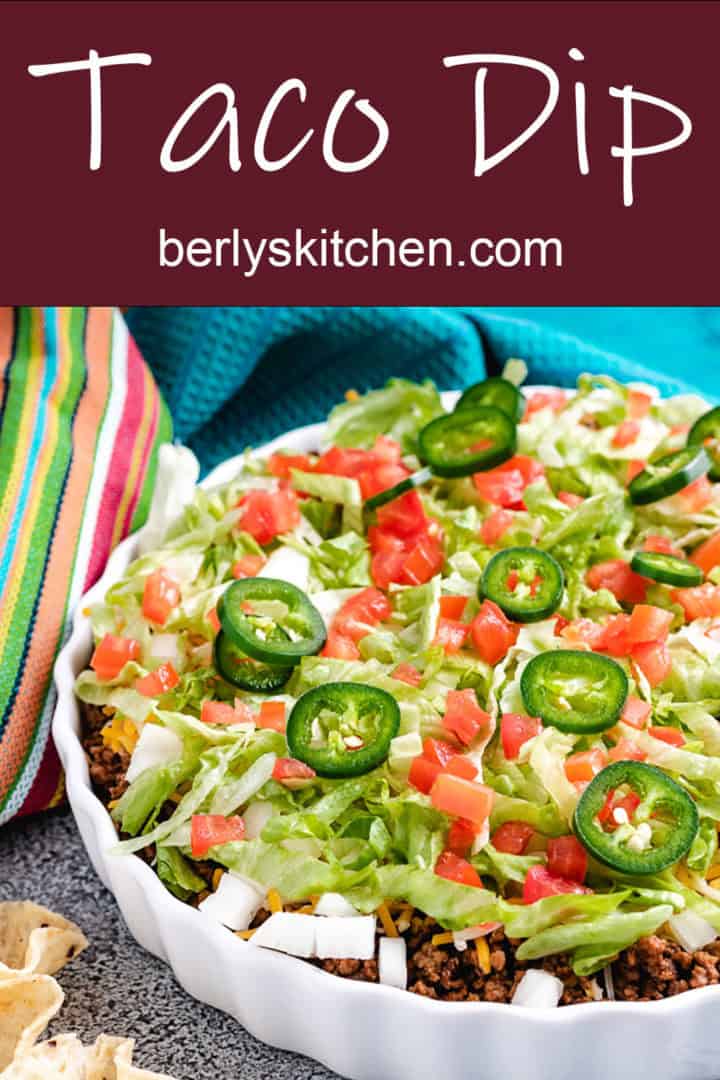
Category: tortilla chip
<point>36,941</point>
<point>63,1056</point>
<point>111,1059</point>
<point>27,1005</point>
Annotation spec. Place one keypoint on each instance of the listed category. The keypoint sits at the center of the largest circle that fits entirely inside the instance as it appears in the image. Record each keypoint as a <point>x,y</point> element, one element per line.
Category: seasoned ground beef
<point>107,768</point>
<point>656,968</point>
<point>650,970</point>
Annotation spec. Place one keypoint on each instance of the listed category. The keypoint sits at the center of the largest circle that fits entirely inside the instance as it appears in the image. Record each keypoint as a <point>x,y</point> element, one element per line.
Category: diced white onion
<point>287,564</point>
<point>288,932</point>
<point>692,931</point>
<point>165,647</point>
<point>596,990</point>
<point>461,937</point>
<point>343,938</point>
<point>392,962</point>
<point>333,903</point>
<point>256,818</point>
<point>235,903</point>
<point>156,746</point>
<point>538,990</point>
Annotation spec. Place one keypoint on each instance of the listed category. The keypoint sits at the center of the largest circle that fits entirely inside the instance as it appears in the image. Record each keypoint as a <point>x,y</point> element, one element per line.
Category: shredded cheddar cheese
<point>713,872</point>
<point>274,900</point>
<point>352,395</point>
<point>120,734</point>
<point>386,919</point>
<point>244,934</point>
<point>482,955</point>
<point>217,878</point>
<point>445,938</point>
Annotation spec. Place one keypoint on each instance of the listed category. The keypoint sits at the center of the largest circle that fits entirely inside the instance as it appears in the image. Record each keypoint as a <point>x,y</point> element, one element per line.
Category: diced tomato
<point>407,673</point>
<point>570,498</point>
<point>639,404</point>
<point>701,602</point>
<point>495,526</point>
<point>340,647</point>
<point>513,837</point>
<point>248,566</point>
<point>669,735</point>
<point>214,620</point>
<point>626,750</point>
<point>382,541</point>
<point>361,613</point>
<point>582,632</point>
<point>707,556</point>
<point>648,623</point>
<point>423,773</point>
<point>381,477</point>
<point>696,496</point>
<point>207,830</point>
<point>634,468</point>
<point>584,765</point>
<point>111,655</point>
<point>159,681</point>
<point>460,838</point>
<point>439,752</point>
<point>423,561</point>
<point>626,433</point>
<point>461,766</point>
<point>660,544</point>
<point>452,607</point>
<point>462,798</point>
<point>404,516</point>
<point>338,461</point>
<point>161,595</point>
<point>539,883</point>
<point>654,661</point>
<point>617,576</point>
<point>636,711</point>
<point>387,566</point>
<point>629,803</point>
<point>219,712</point>
<point>463,716</point>
<point>515,730</point>
<point>267,514</point>
<point>614,636</point>
<point>292,773</point>
<point>560,623</point>
<point>492,632</point>
<point>281,464</point>
<point>567,858</point>
<point>454,868</point>
<point>544,399</point>
<point>451,634</point>
<point>504,485</point>
<point>386,449</point>
<point>272,716</point>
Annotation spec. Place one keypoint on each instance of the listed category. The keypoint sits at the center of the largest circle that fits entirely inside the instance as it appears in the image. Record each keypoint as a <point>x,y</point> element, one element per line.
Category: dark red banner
<point>447,153</point>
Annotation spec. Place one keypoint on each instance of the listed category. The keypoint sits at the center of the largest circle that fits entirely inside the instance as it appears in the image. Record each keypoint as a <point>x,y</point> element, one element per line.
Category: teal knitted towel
<point>234,377</point>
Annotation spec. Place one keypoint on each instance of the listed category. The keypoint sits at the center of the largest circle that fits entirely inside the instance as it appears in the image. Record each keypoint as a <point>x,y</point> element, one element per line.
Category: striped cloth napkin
<point>80,422</point>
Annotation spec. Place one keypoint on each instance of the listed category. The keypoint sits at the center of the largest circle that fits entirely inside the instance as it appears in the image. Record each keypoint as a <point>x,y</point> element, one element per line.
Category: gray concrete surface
<point>115,986</point>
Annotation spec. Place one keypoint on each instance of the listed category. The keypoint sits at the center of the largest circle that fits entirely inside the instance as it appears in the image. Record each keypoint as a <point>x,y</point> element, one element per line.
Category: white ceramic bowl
<point>361,1030</point>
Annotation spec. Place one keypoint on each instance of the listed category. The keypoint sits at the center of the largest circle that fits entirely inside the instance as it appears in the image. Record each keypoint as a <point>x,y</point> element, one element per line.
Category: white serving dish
<point>362,1030</point>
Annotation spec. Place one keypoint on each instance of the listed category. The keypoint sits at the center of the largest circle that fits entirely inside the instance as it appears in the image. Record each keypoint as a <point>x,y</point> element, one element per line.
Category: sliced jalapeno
<point>242,671</point>
<point>467,441</point>
<point>706,432</point>
<point>343,729</point>
<point>253,608</point>
<point>668,474</point>
<point>655,834</point>
<point>572,690</point>
<point>408,484</point>
<point>526,583</point>
<point>667,569</point>
<point>496,391</point>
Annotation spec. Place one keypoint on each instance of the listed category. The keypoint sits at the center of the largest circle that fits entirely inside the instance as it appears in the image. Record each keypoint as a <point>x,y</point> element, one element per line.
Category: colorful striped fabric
<point>80,422</point>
